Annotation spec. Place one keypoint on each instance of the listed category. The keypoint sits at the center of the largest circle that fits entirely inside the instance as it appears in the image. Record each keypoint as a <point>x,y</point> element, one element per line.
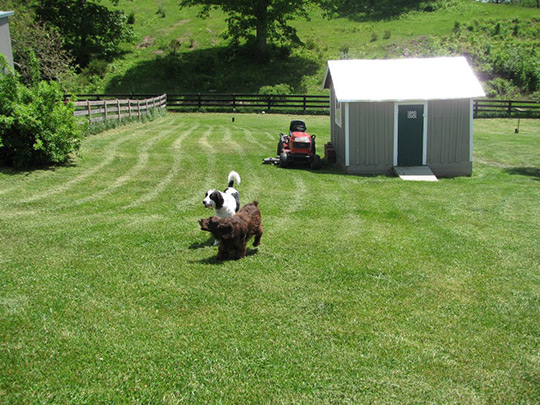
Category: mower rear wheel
<point>283,160</point>
<point>280,148</point>
<point>316,162</point>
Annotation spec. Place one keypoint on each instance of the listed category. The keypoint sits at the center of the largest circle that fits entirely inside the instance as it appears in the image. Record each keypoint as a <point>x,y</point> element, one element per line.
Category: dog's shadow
<point>202,245</point>
<point>213,259</point>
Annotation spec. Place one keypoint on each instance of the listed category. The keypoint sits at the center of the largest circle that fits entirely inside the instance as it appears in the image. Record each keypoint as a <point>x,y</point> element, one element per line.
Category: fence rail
<point>102,109</point>
<point>486,107</point>
<point>309,104</point>
<point>305,103</point>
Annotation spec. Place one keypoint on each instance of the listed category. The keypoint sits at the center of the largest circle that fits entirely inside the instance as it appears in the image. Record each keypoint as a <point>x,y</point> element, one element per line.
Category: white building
<point>5,38</point>
<point>387,114</point>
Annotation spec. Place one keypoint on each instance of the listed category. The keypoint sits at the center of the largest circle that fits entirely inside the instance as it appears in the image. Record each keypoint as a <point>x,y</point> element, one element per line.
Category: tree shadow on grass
<point>223,69</point>
<point>533,172</point>
<point>12,171</point>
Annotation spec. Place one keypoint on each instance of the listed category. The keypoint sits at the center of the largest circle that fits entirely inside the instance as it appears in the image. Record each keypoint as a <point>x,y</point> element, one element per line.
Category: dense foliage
<point>45,42</point>
<point>371,9</point>
<point>88,29</point>
<point>504,53</point>
<point>36,126</point>
<point>269,19</point>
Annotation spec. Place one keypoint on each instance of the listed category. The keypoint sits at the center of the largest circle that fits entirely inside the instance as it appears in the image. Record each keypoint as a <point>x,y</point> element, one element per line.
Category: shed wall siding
<point>337,133</point>
<point>448,141</point>
<point>371,143</point>
<point>5,40</point>
<point>371,137</point>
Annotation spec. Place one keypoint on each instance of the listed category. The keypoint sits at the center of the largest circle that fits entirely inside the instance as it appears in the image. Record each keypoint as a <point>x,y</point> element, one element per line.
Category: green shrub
<point>502,89</point>
<point>276,90</point>
<point>161,12</point>
<point>131,18</point>
<point>36,126</point>
<point>96,67</point>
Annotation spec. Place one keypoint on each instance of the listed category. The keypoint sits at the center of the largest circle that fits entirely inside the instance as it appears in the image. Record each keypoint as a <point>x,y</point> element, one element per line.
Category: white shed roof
<point>402,79</point>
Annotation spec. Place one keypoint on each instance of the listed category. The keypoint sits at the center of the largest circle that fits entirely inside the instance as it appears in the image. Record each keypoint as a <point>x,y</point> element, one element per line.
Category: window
<point>337,111</point>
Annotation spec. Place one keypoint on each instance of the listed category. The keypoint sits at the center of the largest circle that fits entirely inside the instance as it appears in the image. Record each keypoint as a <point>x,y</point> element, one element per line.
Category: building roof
<point>5,13</point>
<point>418,79</point>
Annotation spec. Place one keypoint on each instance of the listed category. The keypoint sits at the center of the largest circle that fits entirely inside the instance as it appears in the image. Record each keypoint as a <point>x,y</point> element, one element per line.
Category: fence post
<point>105,109</point>
<point>305,101</point>
<point>509,107</point>
<point>139,110</point>
<point>89,111</point>
<point>234,101</point>
<point>118,110</point>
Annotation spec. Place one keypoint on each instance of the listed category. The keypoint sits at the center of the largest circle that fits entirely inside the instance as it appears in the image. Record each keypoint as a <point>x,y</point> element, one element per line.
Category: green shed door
<point>410,134</point>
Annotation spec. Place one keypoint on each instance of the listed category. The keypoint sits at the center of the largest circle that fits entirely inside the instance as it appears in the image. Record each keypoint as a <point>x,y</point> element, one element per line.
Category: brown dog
<point>233,233</point>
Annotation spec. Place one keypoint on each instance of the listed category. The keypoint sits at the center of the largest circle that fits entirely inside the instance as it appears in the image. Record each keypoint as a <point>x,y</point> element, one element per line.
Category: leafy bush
<point>44,42</point>
<point>276,90</point>
<point>36,126</point>
<point>161,12</point>
<point>131,18</point>
<point>502,89</point>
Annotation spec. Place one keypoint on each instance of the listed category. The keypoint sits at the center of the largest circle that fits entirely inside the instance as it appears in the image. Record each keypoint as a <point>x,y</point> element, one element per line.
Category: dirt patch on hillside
<point>146,42</point>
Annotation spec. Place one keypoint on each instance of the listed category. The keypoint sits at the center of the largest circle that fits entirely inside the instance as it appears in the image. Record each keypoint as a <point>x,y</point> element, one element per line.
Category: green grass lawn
<point>364,289</point>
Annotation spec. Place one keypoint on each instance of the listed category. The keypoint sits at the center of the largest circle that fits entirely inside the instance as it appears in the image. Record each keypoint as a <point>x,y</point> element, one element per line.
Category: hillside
<point>177,52</point>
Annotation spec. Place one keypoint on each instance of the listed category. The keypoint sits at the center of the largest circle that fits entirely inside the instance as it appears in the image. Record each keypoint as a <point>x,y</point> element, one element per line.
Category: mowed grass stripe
<point>205,141</point>
<point>176,150</point>
<point>141,162</point>
<point>60,188</point>
<point>43,177</point>
<point>109,155</point>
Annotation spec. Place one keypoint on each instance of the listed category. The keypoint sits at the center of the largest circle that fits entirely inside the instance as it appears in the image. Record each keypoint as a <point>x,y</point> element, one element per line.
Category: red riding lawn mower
<point>297,147</point>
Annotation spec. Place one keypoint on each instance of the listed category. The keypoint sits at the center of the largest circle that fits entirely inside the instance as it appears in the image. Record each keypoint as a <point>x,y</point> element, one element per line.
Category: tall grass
<point>364,289</point>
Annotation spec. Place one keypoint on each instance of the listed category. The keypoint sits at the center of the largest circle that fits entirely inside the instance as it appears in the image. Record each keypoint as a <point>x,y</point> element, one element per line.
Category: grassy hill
<point>176,51</point>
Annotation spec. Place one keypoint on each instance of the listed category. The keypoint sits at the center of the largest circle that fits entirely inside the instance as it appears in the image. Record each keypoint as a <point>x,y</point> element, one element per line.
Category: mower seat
<point>297,126</point>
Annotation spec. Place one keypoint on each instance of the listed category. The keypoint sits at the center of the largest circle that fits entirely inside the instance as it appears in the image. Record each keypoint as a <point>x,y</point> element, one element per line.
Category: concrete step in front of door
<point>415,173</point>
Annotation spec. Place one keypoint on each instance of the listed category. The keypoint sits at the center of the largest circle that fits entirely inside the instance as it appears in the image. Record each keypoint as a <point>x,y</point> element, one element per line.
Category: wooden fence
<point>506,108</point>
<point>102,109</point>
<point>309,104</point>
<point>238,102</point>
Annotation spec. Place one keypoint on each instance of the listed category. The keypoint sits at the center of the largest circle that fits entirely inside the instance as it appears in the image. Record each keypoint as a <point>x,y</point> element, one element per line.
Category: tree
<point>29,37</point>
<point>268,18</point>
<point>88,28</point>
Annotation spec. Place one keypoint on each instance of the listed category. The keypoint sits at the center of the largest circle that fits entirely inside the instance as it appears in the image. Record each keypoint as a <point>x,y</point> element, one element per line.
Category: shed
<point>5,38</point>
<point>395,113</point>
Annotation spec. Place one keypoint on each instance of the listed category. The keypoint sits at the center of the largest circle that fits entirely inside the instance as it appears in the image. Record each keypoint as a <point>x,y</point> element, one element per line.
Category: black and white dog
<point>225,203</point>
